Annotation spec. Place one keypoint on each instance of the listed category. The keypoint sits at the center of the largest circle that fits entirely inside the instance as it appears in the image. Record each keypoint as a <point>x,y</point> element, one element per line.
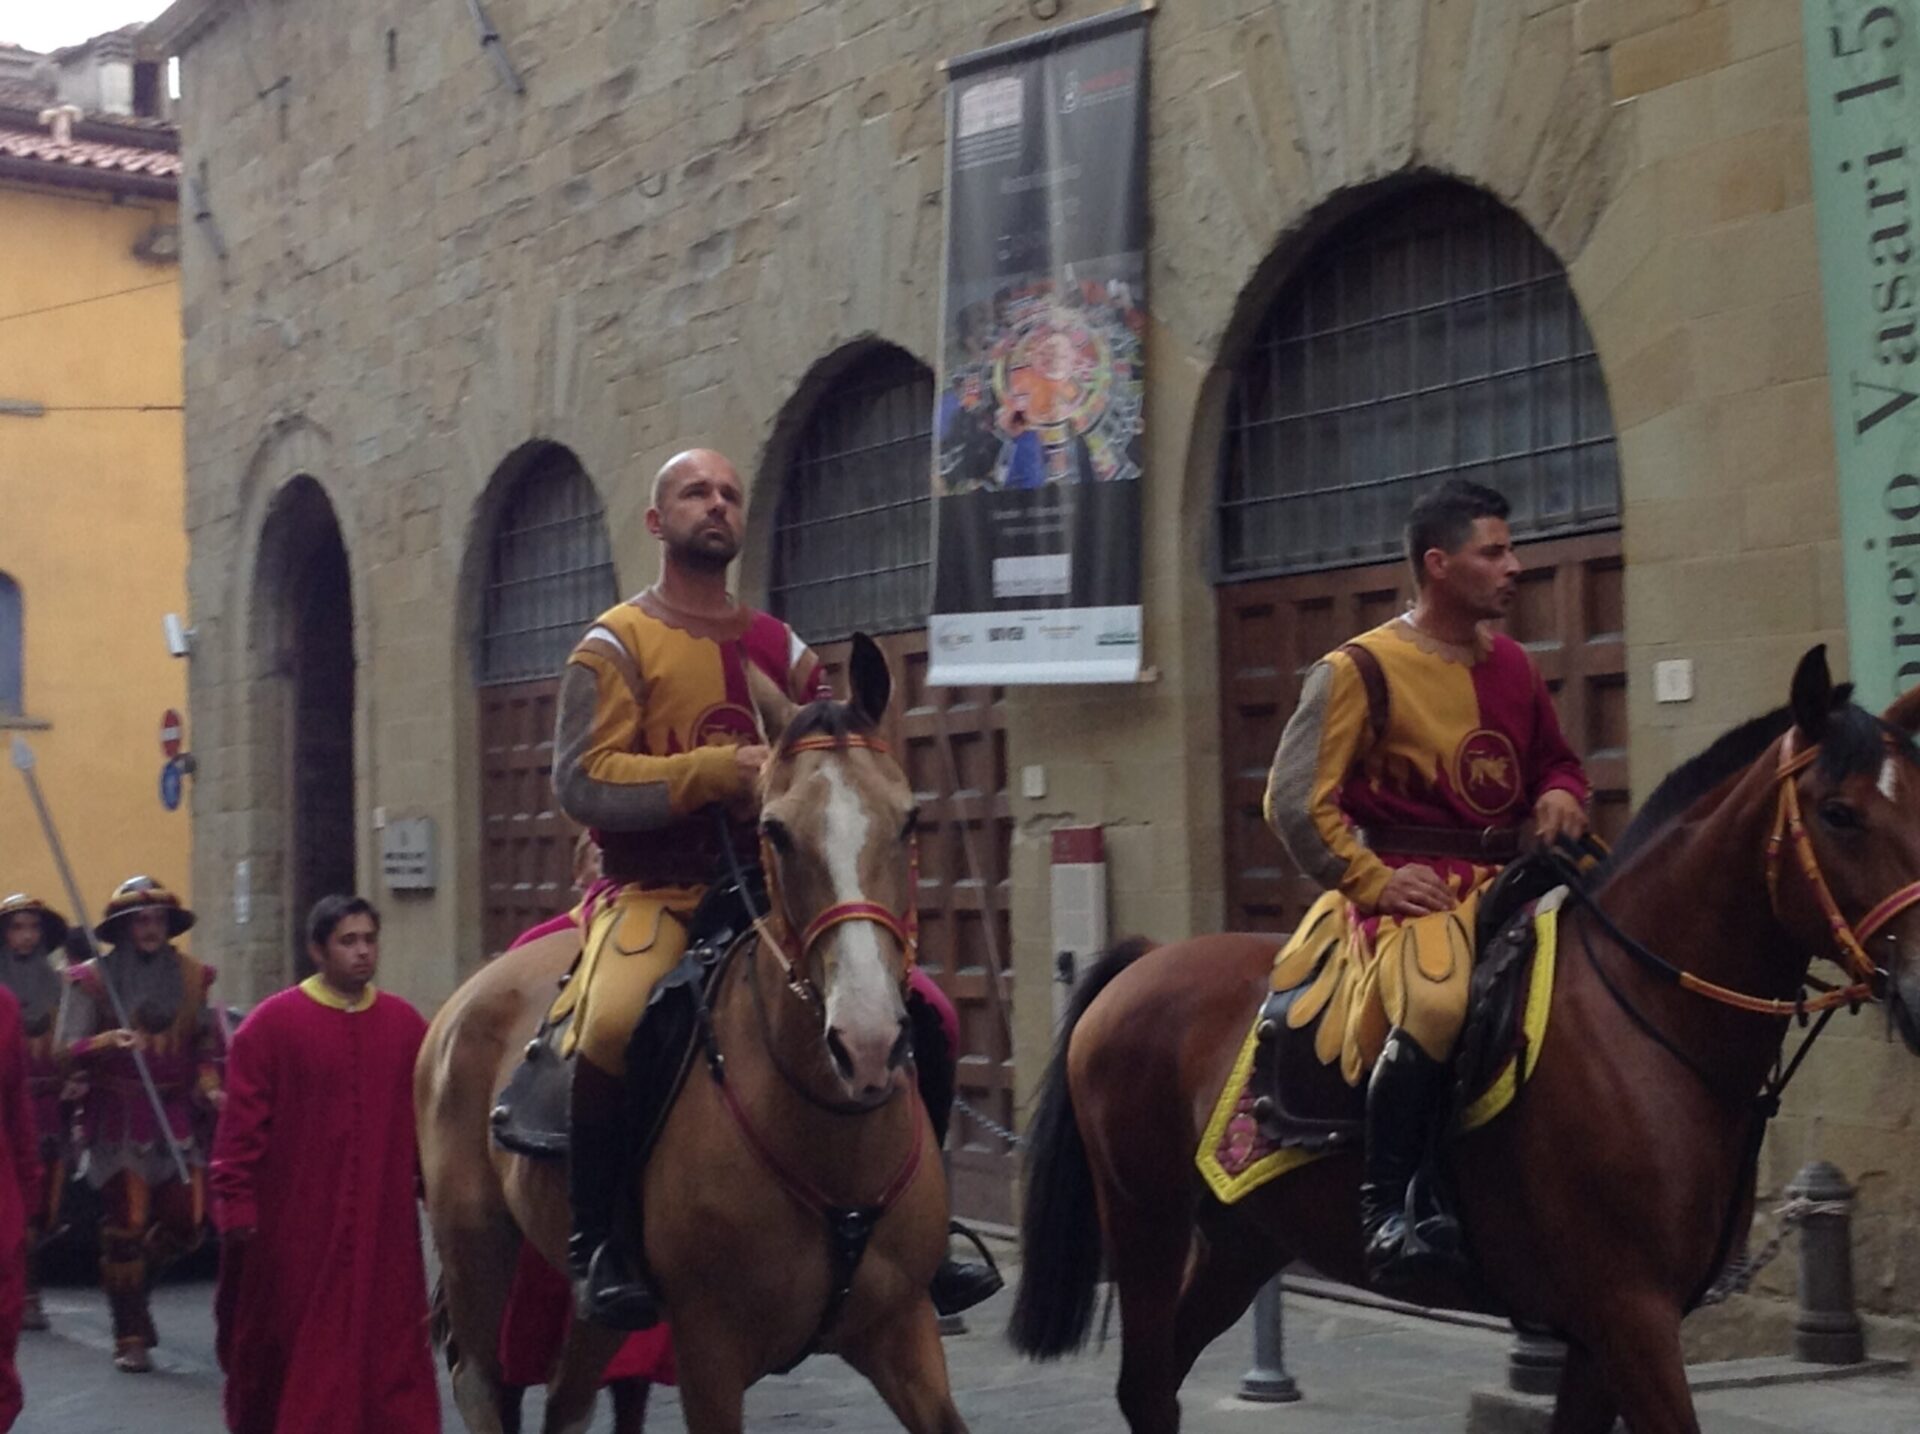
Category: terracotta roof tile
<point>91,154</point>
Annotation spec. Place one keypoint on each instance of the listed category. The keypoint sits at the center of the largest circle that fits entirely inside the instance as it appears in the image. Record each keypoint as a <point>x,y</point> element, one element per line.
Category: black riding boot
<point>1406,1232</point>
<point>961,1284</point>
<point>608,1288</point>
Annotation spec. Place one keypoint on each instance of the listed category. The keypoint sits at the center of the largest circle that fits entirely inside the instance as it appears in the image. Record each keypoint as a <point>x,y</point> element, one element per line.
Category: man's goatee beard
<point>706,562</point>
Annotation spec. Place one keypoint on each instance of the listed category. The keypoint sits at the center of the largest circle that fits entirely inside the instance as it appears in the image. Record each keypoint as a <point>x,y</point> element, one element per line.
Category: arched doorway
<point>851,551</point>
<point>549,573</point>
<point>1430,335</point>
<point>311,611</point>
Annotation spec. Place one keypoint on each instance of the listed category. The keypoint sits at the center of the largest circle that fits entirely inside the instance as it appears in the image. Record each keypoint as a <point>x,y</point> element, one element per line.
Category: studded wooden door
<point>1569,614</point>
<point>952,744</point>
<point>526,845</point>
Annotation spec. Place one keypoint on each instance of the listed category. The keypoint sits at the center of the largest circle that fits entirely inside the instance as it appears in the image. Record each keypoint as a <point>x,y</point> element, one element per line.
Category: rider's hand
<point>747,762</point>
<point>1414,891</point>
<point>124,1040</point>
<point>1558,814</point>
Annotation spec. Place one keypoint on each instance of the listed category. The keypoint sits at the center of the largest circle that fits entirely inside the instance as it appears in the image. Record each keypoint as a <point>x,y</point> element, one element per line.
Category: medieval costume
<point>322,1303</point>
<point>1405,749</point>
<point>652,704</point>
<point>19,1193</point>
<point>148,1213</point>
<point>35,983</point>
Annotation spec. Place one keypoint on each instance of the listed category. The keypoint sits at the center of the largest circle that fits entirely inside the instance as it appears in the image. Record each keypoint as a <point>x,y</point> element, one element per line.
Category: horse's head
<point>1861,803</point>
<point>837,816</point>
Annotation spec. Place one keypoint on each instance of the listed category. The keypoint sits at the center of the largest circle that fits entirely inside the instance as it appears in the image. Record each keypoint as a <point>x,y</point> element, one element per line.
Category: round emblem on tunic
<point>724,724</point>
<point>1486,772</point>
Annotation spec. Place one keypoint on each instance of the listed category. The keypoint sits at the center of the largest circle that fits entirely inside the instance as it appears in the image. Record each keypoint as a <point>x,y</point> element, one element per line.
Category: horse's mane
<point>826,718</point>
<point>1855,741</point>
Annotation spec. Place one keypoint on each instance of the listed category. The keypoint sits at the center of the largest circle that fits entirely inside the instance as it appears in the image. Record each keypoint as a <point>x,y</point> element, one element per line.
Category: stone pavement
<point>1361,1370</point>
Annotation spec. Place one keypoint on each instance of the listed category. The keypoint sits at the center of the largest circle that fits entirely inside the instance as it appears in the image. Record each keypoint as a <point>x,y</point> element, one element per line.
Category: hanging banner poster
<point>1038,421</point>
<point>1863,114</point>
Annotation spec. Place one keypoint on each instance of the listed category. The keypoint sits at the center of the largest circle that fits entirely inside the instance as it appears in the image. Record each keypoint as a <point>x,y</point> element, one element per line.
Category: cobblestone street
<point>1361,1371</point>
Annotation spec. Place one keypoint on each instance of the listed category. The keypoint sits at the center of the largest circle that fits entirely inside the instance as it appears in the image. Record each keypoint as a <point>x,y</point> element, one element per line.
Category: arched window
<point>1429,337</point>
<point>852,539</point>
<point>549,572</point>
<point>13,662</point>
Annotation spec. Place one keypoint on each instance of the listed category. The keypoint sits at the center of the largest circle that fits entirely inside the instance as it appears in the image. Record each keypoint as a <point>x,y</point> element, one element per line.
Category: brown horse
<point>802,1104</point>
<point>1603,1201</point>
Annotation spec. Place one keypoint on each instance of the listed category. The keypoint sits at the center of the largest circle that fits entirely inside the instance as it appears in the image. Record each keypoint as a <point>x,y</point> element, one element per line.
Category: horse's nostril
<point>902,1047</point>
<point>837,1048</point>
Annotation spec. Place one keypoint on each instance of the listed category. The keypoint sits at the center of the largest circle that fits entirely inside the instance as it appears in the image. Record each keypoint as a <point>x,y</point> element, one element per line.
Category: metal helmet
<point>53,926</point>
<point>136,894</point>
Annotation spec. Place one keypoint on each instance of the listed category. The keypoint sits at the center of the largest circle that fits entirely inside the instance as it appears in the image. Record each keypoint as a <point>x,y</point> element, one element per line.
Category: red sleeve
<point>23,1144</point>
<point>1554,765</point>
<point>245,1124</point>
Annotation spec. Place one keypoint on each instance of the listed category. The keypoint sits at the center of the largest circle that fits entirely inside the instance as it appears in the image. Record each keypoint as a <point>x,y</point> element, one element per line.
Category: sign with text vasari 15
<point>1863,92</point>
<point>1038,438</point>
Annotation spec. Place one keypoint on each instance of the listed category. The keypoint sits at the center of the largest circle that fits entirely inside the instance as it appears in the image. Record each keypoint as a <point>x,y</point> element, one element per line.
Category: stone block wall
<point>693,205</point>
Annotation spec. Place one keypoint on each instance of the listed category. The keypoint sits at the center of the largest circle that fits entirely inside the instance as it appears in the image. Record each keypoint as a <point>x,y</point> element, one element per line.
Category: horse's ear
<point>1905,711</point>
<point>1812,693</point>
<point>867,676</point>
<point>776,709</point>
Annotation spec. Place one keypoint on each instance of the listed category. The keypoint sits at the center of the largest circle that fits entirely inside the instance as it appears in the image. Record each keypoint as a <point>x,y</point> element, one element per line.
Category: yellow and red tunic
<point>1452,741</point>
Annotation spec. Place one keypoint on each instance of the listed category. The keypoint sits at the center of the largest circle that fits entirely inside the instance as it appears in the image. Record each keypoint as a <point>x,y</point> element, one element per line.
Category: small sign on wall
<point>407,854</point>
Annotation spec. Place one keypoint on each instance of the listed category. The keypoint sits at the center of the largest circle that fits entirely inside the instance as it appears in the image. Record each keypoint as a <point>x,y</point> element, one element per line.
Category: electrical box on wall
<point>1079,894</point>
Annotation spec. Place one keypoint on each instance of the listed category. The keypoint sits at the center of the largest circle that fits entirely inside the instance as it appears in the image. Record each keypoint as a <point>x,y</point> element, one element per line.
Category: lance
<point>23,763</point>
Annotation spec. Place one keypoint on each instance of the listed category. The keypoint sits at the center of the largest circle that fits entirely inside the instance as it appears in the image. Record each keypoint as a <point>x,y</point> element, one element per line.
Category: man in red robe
<point>19,1193</point>
<point>30,933</point>
<point>322,1304</point>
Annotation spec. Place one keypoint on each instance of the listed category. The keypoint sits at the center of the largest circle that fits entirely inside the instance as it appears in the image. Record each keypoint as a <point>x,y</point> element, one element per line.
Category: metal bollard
<point>1826,1330</point>
<point>1535,1361</point>
<point>1268,1381</point>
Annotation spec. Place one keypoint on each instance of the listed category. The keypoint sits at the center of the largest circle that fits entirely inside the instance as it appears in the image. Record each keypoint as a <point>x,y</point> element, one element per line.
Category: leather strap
<point>1375,683</point>
<point>1494,845</point>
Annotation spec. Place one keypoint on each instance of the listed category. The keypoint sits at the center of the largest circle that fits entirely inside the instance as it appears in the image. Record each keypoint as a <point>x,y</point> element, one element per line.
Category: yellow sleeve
<point>1324,740</point>
<point>601,781</point>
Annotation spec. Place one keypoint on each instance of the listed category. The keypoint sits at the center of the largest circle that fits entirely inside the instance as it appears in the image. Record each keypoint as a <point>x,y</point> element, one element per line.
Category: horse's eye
<point>776,832</point>
<point>911,824</point>
<point>1838,815</point>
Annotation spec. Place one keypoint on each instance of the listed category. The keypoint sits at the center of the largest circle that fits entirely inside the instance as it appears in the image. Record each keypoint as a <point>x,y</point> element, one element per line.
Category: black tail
<point>440,1324</point>
<point>1059,1225</point>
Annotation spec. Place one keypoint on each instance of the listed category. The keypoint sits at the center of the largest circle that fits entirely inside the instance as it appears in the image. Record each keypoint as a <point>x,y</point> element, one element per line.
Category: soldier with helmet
<point>149,1214</point>
<point>30,933</point>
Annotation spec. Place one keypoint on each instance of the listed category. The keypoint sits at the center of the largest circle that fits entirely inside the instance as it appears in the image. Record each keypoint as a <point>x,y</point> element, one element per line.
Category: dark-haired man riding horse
<point>1419,756</point>
<point>657,729</point>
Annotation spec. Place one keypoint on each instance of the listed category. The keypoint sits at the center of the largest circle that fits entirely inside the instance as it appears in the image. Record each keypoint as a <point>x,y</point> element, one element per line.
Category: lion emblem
<point>1486,773</point>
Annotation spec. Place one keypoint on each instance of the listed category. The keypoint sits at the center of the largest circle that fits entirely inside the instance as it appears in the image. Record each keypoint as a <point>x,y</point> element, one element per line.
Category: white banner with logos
<point>1046,645</point>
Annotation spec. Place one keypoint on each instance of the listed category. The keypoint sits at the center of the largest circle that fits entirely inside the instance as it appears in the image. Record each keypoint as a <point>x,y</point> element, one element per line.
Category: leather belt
<point>1493,845</point>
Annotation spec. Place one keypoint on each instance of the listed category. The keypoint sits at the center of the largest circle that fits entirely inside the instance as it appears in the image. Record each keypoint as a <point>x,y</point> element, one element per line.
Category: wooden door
<point>1569,614</point>
<point>952,744</point>
<point>526,845</point>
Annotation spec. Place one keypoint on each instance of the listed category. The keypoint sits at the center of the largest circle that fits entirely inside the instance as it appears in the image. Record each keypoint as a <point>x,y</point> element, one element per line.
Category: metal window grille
<point>1430,338</point>
<point>853,532</point>
<point>12,649</point>
<point>550,572</point>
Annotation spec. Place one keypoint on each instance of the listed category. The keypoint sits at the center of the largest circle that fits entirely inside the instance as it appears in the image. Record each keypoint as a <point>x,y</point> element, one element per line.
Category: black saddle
<point>530,1116</point>
<point>1304,1104</point>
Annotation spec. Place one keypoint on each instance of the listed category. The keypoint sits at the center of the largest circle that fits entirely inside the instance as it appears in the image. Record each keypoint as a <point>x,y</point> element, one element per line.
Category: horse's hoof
<point>130,1357</point>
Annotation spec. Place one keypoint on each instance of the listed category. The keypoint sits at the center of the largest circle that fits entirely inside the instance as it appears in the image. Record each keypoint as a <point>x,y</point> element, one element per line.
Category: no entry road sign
<point>171,727</point>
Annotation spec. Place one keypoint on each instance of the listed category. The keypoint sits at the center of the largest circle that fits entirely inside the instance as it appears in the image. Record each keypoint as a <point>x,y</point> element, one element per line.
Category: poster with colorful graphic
<point>1038,422</point>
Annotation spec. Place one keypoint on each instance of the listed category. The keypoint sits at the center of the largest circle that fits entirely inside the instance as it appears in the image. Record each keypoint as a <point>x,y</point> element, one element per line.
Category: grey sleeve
<point>79,1017</point>
<point>606,806</point>
<point>1296,762</point>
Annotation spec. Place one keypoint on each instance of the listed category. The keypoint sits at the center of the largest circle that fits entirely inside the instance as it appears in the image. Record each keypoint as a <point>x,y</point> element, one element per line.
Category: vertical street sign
<point>1863,107</point>
<point>171,731</point>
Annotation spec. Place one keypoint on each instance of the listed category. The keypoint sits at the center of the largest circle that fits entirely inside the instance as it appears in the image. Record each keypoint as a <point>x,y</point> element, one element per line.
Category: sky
<point>48,24</point>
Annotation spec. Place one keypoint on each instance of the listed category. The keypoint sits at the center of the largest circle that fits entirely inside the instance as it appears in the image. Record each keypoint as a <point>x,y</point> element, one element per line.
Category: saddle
<point>530,1115</point>
<point>1283,1106</point>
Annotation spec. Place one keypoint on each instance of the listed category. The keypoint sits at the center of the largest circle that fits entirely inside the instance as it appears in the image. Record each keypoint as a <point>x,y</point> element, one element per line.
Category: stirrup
<point>612,1296</point>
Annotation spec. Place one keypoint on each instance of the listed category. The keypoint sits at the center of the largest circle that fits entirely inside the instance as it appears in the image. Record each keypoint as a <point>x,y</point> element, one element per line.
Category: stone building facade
<point>425,266</point>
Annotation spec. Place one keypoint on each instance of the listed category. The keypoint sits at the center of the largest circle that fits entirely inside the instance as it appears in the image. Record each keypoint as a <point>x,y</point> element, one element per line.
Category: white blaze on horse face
<point>863,1001</point>
<point>1889,779</point>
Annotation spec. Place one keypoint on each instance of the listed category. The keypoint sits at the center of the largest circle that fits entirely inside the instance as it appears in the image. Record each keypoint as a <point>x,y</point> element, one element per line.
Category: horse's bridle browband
<point>1849,937</point>
<point>777,927</point>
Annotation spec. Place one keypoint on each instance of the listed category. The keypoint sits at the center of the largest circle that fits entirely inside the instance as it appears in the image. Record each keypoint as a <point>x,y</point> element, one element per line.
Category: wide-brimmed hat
<point>53,926</point>
<point>137,894</point>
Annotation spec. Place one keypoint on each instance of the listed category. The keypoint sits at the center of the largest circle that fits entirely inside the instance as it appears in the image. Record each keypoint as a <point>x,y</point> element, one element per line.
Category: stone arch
<point>299,677</point>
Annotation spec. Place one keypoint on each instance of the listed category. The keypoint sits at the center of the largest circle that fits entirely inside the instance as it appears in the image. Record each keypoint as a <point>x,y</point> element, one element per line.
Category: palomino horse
<point>1602,1203</point>
<point>802,1106</point>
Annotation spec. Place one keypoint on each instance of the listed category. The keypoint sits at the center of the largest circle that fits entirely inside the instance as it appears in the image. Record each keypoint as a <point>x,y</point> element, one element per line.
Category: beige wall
<point>690,210</point>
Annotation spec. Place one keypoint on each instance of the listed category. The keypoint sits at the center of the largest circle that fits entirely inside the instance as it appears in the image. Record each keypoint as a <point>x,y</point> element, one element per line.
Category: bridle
<point>776,925</point>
